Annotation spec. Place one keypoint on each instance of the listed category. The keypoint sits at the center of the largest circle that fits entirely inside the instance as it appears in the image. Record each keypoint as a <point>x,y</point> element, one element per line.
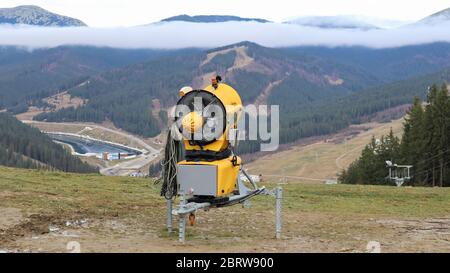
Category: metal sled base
<point>189,207</point>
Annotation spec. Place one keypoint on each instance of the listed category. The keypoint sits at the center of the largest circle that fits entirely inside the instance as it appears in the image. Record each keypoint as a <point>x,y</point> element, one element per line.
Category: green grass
<point>367,200</point>
<point>49,192</point>
<point>43,191</point>
<point>323,213</point>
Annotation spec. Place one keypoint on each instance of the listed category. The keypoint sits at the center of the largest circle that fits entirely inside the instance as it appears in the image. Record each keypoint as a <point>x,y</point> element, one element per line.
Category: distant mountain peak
<point>212,19</point>
<point>445,13</point>
<point>336,22</point>
<point>28,7</point>
<point>436,18</point>
<point>34,15</point>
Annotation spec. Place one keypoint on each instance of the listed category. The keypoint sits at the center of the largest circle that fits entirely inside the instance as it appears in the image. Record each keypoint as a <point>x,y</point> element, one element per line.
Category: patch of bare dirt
<point>28,115</point>
<point>59,101</point>
<point>9,216</point>
<point>64,100</point>
<point>231,229</point>
<point>34,224</point>
<point>428,235</point>
<point>334,80</point>
<point>241,61</point>
<point>18,227</point>
<point>262,98</point>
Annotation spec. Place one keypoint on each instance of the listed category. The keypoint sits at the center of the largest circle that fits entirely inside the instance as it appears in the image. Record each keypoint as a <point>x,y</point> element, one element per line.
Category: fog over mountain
<point>347,22</point>
<point>211,19</point>
<point>183,34</point>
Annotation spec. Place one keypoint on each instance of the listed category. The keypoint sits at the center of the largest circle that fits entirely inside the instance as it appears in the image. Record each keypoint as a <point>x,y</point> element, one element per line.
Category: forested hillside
<point>306,115</point>
<point>211,19</point>
<point>27,76</point>
<point>124,95</point>
<point>303,118</point>
<point>319,90</point>
<point>387,64</point>
<point>425,145</point>
<point>26,147</point>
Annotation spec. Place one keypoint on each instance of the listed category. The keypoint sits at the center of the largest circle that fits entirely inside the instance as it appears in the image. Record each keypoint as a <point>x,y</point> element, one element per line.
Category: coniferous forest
<point>425,145</point>
<point>26,147</point>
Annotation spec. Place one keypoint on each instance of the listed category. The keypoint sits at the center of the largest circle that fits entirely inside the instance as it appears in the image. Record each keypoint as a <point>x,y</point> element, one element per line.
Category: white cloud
<point>181,35</point>
<point>108,13</point>
<point>348,21</point>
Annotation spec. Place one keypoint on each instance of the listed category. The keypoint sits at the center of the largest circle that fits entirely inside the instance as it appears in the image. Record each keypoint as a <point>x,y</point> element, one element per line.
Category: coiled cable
<point>172,155</point>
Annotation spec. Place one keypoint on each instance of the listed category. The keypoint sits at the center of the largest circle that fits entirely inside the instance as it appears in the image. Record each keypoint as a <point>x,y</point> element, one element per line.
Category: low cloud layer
<point>181,35</point>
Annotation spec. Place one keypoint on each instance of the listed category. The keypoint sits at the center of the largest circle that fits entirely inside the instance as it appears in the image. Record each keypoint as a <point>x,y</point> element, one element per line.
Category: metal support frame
<point>169,215</point>
<point>184,208</point>
<point>398,173</point>
<point>182,221</point>
<point>277,193</point>
<point>278,205</point>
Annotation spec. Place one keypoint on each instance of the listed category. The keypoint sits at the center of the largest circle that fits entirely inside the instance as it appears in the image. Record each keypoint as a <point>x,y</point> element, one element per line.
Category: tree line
<point>425,144</point>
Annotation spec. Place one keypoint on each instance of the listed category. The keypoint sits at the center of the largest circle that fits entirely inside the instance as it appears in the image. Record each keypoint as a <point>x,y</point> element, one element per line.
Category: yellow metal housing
<point>233,107</point>
<point>227,172</point>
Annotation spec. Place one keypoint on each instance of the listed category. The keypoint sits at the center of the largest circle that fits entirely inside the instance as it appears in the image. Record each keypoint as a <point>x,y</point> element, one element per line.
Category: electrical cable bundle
<point>169,167</point>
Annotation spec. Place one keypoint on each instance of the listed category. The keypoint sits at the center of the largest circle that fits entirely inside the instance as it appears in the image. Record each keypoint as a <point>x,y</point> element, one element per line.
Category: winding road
<point>123,168</point>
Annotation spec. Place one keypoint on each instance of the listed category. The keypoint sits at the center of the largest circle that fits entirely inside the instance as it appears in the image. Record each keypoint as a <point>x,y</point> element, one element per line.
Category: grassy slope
<point>127,214</point>
<point>40,191</point>
<point>48,192</point>
<point>318,161</point>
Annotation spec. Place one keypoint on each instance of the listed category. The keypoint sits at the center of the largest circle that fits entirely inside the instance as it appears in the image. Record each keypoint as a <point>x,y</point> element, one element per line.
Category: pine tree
<point>429,134</point>
<point>440,135</point>
<point>412,145</point>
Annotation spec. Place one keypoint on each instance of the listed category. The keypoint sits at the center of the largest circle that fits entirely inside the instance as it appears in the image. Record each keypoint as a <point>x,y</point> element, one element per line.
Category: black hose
<point>172,154</point>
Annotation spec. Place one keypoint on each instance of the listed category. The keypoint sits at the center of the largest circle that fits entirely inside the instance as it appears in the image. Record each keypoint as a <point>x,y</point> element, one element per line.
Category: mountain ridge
<point>27,76</point>
<point>37,16</point>
<point>294,78</point>
<point>437,18</point>
<point>333,22</point>
<point>212,19</point>
<point>250,68</point>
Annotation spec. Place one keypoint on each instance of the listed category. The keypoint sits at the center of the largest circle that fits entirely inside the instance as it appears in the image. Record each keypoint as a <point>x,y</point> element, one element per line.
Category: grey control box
<point>197,179</point>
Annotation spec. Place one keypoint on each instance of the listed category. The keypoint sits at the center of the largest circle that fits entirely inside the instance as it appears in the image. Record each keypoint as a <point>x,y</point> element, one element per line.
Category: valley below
<point>140,163</point>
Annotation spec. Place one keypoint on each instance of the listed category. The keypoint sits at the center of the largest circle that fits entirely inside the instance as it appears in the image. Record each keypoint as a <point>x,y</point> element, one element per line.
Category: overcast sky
<point>112,13</point>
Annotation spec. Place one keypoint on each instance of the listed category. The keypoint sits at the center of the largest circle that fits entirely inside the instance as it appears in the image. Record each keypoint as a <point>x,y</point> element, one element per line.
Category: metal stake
<point>182,221</point>
<point>169,215</point>
<point>182,228</point>
<point>278,198</point>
